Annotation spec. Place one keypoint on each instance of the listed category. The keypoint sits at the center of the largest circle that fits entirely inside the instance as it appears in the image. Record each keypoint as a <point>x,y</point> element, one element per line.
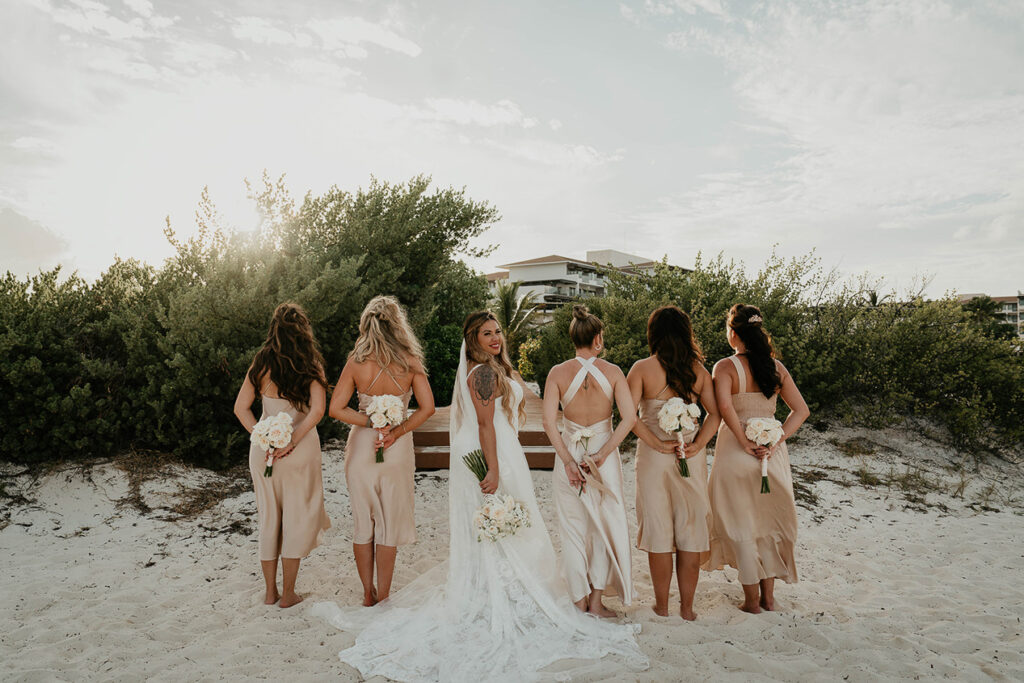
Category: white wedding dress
<point>502,612</point>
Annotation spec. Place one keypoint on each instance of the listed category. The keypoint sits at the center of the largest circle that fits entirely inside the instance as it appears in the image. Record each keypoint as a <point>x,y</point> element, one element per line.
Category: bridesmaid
<point>386,359</point>
<point>754,532</point>
<point>592,521</point>
<point>288,375</point>
<point>673,512</point>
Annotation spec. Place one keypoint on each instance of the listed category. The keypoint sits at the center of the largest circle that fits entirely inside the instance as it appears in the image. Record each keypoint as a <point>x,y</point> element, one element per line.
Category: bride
<point>502,612</point>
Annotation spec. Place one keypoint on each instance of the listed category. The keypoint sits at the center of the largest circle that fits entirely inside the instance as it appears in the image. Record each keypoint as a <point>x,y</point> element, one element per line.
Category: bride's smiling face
<point>489,337</point>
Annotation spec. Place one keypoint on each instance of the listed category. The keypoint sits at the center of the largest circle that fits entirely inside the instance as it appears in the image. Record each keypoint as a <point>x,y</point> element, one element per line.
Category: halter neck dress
<point>754,532</point>
<point>593,526</point>
<point>673,512</point>
<point>382,494</point>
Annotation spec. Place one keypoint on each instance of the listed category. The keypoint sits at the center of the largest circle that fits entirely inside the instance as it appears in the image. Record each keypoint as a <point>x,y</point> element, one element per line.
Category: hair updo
<point>385,335</point>
<point>746,321</point>
<point>584,326</point>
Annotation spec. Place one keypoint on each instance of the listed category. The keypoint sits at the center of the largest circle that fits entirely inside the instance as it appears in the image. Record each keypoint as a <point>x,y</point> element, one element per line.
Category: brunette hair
<point>290,355</point>
<point>501,364</point>
<point>386,336</point>
<point>584,326</point>
<point>670,339</point>
<point>746,321</point>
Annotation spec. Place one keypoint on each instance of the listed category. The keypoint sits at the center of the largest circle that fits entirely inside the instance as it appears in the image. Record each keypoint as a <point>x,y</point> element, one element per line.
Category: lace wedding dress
<point>501,611</point>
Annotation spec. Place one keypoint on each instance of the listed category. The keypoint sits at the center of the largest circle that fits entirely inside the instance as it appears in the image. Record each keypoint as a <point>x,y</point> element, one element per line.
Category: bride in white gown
<point>503,611</point>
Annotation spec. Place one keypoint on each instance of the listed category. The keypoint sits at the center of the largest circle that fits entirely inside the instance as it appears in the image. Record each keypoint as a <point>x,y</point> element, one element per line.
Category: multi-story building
<point>1011,308</point>
<point>557,279</point>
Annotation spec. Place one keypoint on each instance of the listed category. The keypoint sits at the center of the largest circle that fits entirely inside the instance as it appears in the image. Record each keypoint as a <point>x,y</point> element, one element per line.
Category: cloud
<point>345,33</point>
<point>263,31</point>
<point>143,7</point>
<point>548,153</point>
<point>471,112</point>
<point>28,246</point>
<point>94,18</point>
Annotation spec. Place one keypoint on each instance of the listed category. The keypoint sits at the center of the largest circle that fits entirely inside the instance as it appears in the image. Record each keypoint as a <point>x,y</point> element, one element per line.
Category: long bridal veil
<point>502,612</point>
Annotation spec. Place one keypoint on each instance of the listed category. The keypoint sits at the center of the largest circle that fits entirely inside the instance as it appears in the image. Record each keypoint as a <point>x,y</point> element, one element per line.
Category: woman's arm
<point>483,384</point>
<point>343,390</point>
<point>627,413</point>
<point>799,412</point>
<point>551,398</point>
<point>711,420</point>
<point>723,395</point>
<point>635,380</point>
<point>243,404</point>
<point>424,409</point>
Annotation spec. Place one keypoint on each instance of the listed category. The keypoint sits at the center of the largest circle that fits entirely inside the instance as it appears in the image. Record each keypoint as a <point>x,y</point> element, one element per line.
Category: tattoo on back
<point>484,383</point>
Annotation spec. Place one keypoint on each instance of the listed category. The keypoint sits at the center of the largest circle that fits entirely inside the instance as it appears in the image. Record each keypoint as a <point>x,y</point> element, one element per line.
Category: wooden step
<point>439,457</point>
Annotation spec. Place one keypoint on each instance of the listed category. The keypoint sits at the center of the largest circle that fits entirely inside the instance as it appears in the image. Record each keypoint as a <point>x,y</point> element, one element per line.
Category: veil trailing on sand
<point>496,611</point>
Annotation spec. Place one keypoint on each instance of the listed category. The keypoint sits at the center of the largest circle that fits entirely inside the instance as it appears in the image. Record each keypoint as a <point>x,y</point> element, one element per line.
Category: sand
<point>919,576</point>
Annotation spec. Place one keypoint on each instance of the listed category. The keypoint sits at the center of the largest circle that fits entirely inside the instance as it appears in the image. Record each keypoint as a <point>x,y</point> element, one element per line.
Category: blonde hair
<point>386,336</point>
<point>501,364</point>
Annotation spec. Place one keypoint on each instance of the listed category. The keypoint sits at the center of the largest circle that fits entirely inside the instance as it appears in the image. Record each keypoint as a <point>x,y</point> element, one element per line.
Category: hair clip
<point>755,319</point>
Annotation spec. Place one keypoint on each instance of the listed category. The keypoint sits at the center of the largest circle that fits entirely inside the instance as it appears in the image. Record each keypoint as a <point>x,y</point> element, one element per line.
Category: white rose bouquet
<point>499,516</point>
<point>386,410</point>
<point>270,433</point>
<point>764,431</point>
<point>682,418</point>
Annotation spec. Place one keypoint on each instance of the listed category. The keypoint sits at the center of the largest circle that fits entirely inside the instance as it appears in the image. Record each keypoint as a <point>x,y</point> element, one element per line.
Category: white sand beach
<point>904,578</point>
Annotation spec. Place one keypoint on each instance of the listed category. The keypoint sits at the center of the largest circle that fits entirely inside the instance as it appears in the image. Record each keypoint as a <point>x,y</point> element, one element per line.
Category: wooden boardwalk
<point>432,447</point>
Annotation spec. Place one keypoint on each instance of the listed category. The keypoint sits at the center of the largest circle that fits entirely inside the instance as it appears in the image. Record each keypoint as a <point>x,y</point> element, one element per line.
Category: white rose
<point>693,409</point>
<point>378,420</point>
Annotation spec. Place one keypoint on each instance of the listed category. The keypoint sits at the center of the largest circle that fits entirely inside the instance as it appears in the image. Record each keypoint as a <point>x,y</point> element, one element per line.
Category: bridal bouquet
<point>499,515</point>
<point>274,431</point>
<point>764,431</point>
<point>385,410</point>
<point>681,417</point>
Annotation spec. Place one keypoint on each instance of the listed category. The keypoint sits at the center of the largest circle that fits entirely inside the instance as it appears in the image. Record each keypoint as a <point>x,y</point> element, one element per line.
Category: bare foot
<point>753,609</point>
<point>272,597</point>
<point>289,600</point>
<point>382,598</point>
<point>688,614</point>
<point>370,598</point>
<point>599,610</point>
<point>661,610</point>
<point>768,604</point>
<point>581,605</point>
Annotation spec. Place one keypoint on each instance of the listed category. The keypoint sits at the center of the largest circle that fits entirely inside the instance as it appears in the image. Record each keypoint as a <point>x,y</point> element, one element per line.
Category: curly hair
<point>290,355</point>
<point>386,336</point>
<point>746,321</point>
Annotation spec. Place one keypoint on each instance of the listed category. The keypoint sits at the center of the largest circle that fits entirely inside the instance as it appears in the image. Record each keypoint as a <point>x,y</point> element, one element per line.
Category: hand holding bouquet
<point>582,436</point>
<point>386,410</point>
<point>764,431</point>
<point>270,433</point>
<point>499,516</point>
<point>682,418</point>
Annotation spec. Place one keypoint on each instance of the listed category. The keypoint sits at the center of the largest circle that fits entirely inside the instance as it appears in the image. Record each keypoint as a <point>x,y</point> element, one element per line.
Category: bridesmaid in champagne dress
<point>754,532</point>
<point>673,512</point>
<point>592,522</point>
<point>386,360</point>
<point>288,375</point>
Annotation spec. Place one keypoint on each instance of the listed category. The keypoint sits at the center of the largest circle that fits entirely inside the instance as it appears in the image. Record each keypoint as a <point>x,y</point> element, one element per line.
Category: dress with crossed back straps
<point>592,526</point>
<point>673,512</point>
<point>754,532</point>
<point>382,495</point>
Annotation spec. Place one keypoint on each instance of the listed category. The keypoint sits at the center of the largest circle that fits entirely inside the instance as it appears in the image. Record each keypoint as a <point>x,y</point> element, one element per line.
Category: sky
<point>886,135</point>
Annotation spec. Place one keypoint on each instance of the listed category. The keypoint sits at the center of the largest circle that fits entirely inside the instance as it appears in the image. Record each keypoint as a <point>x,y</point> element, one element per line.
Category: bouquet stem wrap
<point>684,469</point>
<point>764,476</point>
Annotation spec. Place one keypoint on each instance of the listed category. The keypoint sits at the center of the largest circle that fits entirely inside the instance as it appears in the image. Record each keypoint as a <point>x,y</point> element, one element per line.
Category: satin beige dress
<point>593,526</point>
<point>290,503</point>
<point>754,532</point>
<point>382,494</point>
<point>673,511</point>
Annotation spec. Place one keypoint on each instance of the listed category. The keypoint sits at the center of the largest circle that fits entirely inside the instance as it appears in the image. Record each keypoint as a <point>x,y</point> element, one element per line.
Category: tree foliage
<point>152,357</point>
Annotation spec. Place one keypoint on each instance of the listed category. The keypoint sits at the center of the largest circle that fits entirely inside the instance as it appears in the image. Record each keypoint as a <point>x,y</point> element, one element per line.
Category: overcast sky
<point>888,135</point>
